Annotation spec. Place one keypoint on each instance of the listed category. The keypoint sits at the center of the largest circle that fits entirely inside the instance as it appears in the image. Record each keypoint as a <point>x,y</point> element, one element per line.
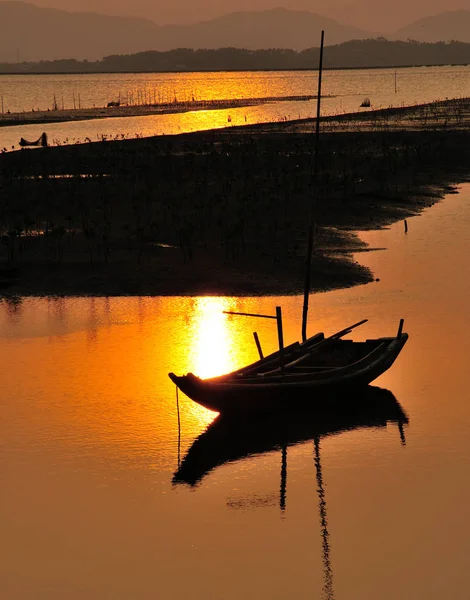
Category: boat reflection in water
<point>228,439</point>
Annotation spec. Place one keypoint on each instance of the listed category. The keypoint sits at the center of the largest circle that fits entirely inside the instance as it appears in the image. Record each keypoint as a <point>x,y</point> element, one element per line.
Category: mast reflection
<point>327,570</point>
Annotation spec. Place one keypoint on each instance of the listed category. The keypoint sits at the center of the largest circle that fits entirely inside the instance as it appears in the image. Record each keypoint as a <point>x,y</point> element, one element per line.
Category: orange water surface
<point>89,444</point>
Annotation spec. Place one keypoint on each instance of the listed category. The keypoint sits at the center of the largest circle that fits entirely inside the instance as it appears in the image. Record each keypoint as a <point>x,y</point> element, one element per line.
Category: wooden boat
<point>310,372</point>
<point>229,440</point>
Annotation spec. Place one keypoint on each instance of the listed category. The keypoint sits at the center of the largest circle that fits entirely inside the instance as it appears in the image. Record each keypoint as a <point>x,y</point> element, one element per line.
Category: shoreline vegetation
<point>354,54</point>
<point>222,212</point>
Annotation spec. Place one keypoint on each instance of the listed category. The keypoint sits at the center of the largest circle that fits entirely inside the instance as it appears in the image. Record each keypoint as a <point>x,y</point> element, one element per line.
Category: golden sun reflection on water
<point>213,347</point>
<point>210,343</point>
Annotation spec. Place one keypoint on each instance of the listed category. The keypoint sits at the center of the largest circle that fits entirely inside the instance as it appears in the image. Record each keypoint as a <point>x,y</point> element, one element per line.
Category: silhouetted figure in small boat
<point>42,141</point>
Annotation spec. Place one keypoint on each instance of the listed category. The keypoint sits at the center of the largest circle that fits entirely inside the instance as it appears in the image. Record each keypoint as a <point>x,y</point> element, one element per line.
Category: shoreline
<point>222,212</point>
<point>411,65</point>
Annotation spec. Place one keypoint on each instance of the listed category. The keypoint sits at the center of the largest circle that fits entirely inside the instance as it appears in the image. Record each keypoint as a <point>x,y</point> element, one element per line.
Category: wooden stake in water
<point>258,345</point>
<point>311,227</point>
<point>280,336</point>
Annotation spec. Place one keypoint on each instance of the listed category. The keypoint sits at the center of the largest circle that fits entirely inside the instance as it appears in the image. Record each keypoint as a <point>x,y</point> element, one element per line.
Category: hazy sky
<point>374,15</point>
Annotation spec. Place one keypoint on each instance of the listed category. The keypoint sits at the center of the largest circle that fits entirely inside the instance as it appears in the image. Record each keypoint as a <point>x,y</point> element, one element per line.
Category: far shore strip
<point>82,114</point>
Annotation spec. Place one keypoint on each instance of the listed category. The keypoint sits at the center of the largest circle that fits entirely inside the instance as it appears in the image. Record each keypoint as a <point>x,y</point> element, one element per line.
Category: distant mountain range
<point>30,33</point>
<point>444,27</point>
<point>47,34</point>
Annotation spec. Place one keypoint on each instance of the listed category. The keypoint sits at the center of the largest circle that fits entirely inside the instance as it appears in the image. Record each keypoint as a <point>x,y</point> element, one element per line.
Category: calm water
<point>346,89</point>
<point>89,445</point>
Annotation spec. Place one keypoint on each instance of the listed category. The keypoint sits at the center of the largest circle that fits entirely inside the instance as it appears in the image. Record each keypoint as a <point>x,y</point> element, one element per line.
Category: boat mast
<point>311,227</point>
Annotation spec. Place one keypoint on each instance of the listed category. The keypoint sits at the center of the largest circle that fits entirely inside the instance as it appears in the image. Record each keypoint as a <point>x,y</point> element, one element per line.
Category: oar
<point>347,330</point>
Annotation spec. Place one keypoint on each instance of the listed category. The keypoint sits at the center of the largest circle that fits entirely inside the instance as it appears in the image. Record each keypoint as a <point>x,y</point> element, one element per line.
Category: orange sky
<point>372,15</point>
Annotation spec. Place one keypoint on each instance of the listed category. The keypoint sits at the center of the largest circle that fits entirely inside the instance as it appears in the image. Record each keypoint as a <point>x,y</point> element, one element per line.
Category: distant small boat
<point>42,141</point>
<point>308,373</point>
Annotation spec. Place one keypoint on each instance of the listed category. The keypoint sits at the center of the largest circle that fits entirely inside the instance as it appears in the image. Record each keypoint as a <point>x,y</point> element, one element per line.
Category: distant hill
<point>443,27</point>
<point>255,30</point>
<point>47,34</point>
<point>35,34</point>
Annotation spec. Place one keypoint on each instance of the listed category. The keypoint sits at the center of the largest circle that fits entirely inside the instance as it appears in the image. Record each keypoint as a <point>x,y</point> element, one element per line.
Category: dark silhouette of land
<point>221,212</point>
<point>354,54</point>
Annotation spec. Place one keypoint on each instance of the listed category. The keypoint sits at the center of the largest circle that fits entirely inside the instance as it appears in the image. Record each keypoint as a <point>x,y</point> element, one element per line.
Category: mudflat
<point>37,117</point>
<point>225,211</point>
